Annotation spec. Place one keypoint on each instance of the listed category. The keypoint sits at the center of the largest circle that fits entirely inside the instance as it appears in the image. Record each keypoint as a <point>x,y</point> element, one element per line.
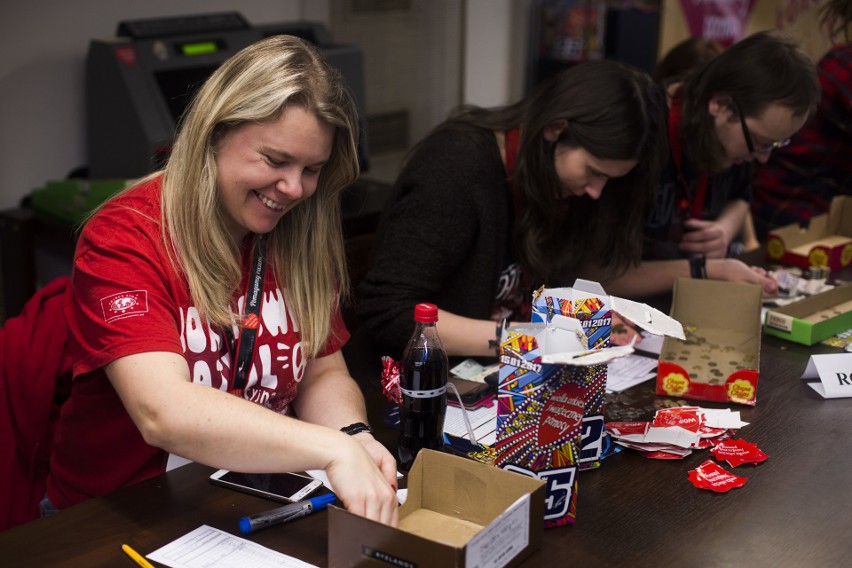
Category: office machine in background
<point>139,83</point>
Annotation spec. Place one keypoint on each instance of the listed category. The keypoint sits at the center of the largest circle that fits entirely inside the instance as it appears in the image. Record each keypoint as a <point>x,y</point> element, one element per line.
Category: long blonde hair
<point>306,247</point>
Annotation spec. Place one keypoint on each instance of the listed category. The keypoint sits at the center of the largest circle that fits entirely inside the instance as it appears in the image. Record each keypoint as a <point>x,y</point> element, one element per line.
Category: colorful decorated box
<point>827,241</point>
<point>719,359</point>
<point>552,384</point>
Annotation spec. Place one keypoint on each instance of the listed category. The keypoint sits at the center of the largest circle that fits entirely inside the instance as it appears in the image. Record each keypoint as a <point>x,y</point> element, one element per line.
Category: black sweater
<point>444,237</point>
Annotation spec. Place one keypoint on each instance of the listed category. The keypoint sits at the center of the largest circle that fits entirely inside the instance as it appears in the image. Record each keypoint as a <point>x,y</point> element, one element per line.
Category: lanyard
<point>675,115</point>
<point>245,344</point>
<point>511,144</point>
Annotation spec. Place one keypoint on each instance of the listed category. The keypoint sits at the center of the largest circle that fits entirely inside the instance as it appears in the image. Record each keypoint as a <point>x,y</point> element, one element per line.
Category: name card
<point>834,372</point>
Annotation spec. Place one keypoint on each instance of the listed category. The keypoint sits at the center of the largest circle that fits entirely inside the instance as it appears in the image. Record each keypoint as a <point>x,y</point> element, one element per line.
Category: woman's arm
<point>224,431</point>
<point>329,396</point>
<point>653,277</point>
<point>466,337</point>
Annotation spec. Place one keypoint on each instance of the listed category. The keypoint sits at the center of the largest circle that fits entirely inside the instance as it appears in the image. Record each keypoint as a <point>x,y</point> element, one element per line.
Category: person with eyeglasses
<point>737,108</point>
<point>800,180</point>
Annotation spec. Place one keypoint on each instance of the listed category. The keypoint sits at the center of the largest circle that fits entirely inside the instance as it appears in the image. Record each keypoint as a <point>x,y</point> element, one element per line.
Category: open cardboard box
<point>827,241</point>
<point>719,360</point>
<point>812,319</point>
<point>458,513</point>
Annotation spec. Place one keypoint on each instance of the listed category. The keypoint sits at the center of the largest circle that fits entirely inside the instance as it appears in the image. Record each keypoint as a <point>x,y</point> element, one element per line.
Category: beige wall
<point>797,17</point>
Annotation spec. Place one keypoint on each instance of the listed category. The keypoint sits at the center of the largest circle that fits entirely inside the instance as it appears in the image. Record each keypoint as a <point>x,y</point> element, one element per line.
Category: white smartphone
<point>282,487</point>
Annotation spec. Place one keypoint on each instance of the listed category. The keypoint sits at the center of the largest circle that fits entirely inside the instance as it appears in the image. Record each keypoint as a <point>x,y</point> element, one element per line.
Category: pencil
<point>137,558</point>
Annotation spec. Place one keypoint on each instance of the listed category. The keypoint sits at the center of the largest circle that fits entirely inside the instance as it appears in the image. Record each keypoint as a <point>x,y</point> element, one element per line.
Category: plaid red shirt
<point>800,180</point>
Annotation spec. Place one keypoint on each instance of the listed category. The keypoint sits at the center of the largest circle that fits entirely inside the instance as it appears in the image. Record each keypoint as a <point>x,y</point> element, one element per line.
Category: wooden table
<point>793,511</point>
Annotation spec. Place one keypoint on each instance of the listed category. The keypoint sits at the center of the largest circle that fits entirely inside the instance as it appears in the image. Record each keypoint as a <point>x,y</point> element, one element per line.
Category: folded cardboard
<point>458,513</point>
<point>552,384</point>
<point>812,319</point>
<point>827,240</point>
<point>719,359</point>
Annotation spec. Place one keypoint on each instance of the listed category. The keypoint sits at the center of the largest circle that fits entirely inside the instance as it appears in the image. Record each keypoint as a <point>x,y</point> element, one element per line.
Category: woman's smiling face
<point>266,169</point>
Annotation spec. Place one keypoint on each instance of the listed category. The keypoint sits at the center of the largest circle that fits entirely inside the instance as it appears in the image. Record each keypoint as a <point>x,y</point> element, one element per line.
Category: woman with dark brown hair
<point>495,202</point>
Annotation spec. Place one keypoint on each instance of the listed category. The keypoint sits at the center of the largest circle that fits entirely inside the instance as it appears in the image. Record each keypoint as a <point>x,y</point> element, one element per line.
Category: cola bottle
<point>423,382</point>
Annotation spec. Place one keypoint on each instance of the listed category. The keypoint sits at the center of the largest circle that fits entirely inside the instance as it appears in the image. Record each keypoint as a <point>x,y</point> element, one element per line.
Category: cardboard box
<point>719,360</point>
<point>459,513</point>
<point>827,241</point>
<point>552,386</point>
<point>812,319</point>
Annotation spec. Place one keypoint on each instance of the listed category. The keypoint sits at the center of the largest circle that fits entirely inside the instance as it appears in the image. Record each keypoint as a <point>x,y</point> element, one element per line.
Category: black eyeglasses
<point>763,148</point>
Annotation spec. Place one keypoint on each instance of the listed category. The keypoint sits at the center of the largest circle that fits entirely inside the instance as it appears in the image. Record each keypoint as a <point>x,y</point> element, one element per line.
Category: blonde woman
<point>204,314</point>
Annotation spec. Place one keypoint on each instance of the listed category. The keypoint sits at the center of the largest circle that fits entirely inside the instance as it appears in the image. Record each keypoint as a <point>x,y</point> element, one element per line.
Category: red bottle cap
<point>426,313</point>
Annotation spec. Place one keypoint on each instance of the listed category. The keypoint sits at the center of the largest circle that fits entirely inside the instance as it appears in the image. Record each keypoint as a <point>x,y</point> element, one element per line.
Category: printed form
<point>206,547</point>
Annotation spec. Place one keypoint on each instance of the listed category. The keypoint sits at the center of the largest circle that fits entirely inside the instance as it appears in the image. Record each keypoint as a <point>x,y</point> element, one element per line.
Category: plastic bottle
<point>423,381</point>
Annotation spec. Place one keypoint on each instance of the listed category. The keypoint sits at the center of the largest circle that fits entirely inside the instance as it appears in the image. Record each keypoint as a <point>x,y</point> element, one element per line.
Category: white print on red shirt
<point>279,359</point>
<point>125,304</point>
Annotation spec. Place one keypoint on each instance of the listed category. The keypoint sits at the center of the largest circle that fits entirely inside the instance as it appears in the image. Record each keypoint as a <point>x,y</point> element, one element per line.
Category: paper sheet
<point>629,371</point>
<point>483,420</point>
<point>207,546</point>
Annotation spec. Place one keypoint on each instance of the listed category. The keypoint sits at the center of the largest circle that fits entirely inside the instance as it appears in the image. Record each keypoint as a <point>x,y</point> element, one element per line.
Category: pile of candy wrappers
<point>675,432</point>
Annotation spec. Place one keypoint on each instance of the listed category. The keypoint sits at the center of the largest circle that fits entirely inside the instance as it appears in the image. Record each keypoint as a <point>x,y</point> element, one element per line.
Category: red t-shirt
<point>128,299</point>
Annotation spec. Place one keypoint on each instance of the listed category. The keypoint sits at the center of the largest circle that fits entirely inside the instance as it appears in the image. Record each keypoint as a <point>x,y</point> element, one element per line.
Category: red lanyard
<point>512,143</point>
<point>686,212</point>
<point>243,352</point>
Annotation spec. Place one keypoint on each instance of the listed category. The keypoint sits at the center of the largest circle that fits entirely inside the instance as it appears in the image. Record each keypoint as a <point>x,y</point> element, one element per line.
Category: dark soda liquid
<point>421,420</point>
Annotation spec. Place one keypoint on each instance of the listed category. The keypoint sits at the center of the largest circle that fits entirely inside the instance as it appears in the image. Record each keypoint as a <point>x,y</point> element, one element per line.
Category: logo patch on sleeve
<point>125,304</point>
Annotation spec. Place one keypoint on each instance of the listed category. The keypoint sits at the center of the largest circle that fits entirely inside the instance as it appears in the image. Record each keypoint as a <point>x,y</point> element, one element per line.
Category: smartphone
<point>471,392</point>
<point>282,487</point>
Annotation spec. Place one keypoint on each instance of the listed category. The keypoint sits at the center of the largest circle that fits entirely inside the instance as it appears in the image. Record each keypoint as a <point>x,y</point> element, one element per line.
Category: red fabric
<point>127,298</point>
<point>35,368</point>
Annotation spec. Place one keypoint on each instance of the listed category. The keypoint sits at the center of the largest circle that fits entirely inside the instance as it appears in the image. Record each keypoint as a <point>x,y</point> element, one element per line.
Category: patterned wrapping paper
<point>595,316</point>
<point>544,409</point>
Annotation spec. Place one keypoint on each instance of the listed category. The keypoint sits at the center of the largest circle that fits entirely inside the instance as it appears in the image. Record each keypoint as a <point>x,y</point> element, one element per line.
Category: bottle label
<point>424,393</point>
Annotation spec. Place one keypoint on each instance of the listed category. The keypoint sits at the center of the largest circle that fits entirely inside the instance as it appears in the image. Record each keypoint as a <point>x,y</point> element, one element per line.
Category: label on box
<point>779,321</point>
<point>506,536</point>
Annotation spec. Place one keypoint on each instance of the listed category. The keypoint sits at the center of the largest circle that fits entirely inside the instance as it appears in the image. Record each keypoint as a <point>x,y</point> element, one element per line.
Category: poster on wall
<point>724,21</point>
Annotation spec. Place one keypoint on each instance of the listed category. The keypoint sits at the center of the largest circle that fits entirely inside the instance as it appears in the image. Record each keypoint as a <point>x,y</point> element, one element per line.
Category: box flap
<point>840,216</point>
<point>463,488</point>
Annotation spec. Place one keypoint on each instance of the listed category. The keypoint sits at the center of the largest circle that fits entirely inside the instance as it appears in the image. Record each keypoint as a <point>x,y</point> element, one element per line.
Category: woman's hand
<point>734,270</point>
<point>360,484</point>
<point>623,331</point>
<point>381,456</point>
<point>709,238</point>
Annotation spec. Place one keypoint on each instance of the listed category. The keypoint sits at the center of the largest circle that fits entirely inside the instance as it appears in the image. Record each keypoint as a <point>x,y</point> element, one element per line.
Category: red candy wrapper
<point>390,379</point>
<point>712,476</point>
<point>738,452</point>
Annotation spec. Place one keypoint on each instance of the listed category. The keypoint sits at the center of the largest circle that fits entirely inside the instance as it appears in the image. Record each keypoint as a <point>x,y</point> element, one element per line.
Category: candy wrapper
<point>675,432</point>
<point>712,476</point>
<point>738,452</point>
<point>390,379</point>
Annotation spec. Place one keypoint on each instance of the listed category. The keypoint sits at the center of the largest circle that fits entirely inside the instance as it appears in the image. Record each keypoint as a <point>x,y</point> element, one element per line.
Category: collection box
<point>827,241</point>
<point>552,384</point>
<point>812,319</point>
<point>719,359</point>
<point>459,513</point>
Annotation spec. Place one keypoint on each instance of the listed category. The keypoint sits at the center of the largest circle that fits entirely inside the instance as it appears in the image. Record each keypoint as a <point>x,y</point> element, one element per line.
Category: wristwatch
<point>356,428</point>
<point>698,267</point>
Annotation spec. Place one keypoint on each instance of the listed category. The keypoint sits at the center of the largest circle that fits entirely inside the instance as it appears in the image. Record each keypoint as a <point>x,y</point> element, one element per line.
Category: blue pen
<point>285,514</point>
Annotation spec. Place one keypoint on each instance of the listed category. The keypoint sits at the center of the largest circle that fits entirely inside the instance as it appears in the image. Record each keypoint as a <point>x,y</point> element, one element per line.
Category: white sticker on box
<point>779,321</point>
<point>506,536</point>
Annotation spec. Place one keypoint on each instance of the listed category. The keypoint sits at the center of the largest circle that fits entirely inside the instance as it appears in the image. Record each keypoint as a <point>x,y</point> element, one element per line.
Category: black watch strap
<point>355,428</point>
